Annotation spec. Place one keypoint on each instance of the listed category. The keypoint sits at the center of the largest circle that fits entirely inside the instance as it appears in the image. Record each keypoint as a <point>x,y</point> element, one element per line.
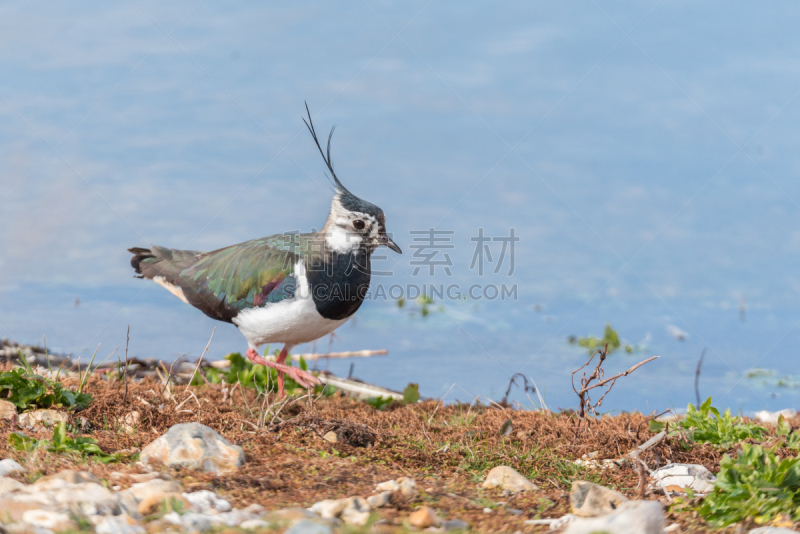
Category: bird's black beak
<point>386,240</point>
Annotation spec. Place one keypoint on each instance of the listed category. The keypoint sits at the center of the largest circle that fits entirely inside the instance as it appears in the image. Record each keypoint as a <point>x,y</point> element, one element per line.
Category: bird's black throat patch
<point>339,283</point>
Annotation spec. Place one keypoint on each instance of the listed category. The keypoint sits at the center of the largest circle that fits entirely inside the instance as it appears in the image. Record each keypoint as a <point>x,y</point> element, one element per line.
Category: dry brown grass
<point>447,449</point>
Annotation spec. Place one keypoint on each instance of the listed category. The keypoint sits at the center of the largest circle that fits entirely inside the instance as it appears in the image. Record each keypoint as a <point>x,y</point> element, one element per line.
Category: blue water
<point>644,153</point>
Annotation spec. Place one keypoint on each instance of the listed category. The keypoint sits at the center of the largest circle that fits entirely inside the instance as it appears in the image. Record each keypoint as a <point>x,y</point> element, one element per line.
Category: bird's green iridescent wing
<point>224,282</point>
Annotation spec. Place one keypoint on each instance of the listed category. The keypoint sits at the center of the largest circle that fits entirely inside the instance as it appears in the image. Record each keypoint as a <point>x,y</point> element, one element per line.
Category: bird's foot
<point>253,356</point>
<point>304,378</point>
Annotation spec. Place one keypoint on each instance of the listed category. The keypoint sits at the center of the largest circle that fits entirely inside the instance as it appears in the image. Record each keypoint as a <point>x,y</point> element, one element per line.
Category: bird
<point>288,288</point>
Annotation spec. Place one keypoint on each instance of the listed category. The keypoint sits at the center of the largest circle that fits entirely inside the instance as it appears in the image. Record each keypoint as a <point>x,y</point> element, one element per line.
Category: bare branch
<point>625,373</point>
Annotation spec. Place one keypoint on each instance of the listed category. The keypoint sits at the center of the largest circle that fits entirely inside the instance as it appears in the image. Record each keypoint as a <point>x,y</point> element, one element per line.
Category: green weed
<point>757,485</point>
<point>791,438</point>
<point>592,343</point>
<point>258,377</point>
<point>706,425</point>
<point>410,396</point>
<point>62,443</point>
<point>29,391</point>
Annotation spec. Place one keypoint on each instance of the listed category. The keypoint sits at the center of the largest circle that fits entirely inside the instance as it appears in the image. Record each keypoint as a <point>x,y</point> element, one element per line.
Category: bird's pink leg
<point>298,375</point>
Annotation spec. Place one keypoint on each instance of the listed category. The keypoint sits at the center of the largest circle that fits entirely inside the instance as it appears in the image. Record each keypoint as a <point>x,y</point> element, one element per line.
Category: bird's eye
<point>358,224</point>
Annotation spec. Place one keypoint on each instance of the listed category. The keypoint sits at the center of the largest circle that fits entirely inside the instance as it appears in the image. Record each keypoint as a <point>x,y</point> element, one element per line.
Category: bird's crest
<point>327,160</point>
<point>344,197</point>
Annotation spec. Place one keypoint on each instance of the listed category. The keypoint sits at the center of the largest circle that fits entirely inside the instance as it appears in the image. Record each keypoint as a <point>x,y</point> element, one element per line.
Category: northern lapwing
<point>288,288</point>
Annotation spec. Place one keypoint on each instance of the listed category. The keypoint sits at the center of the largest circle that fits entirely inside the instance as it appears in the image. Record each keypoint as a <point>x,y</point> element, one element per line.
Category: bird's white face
<point>348,230</point>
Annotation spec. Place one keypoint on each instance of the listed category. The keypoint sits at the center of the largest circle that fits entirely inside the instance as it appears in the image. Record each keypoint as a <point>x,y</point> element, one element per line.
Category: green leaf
<point>28,391</point>
<point>411,393</point>
<point>60,434</point>
<point>707,425</point>
<point>657,426</point>
<point>506,428</point>
<point>21,442</point>
<point>757,485</point>
<point>379,402</point>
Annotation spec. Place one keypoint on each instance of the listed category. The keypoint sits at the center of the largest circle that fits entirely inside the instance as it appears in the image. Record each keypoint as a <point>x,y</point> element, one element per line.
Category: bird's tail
<point>140,255</point>
<point>161,261</point>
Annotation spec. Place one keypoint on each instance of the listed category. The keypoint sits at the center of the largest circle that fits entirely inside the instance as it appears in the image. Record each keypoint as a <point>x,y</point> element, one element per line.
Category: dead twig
<point>586,407</point>
<point>697,376</point>
<point>349,354</point>
<point>513,382</point>
<point>191,378</point>
<point>127,341</point>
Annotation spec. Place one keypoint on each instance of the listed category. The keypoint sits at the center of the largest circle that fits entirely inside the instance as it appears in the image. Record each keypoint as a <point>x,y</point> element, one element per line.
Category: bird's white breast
<point>292,321</point>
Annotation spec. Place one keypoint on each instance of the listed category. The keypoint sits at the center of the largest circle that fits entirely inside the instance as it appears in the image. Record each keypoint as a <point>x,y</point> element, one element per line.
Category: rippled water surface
<point>644,153</point>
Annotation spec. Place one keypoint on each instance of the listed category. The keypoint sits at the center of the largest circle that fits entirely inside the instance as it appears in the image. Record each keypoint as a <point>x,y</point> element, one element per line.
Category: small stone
<point>130,421</point>
<point>7,485</point>
<point>128,504</point>
<point>235,517</point>
<point>42,417</point>
<point>12,510</point>
<point>86,498</point>
<point>408,488</point>
<point>631,517</point>
<point>424,517</point>
<point>389,485</point>
<point>406,482</point>
<point>194,446</point>
<point>306,526</point>
<point>152,504</point>
<point>9,466</point>
<point>331,437</point>
<point>329,508</point>
<point>380,500</point>
<point>119,524</point>
<point>288,515</point>
<point>455,524</point>
<point>153,487</point>
<point>71,476</point>
<point>255,508</point>
<point>193,522</point>
<point>25,528</point>
<point>54,521</point>
<point>205,501</point>
<point>589,500</point>
<point>487,510</point>
<point>144,477</point>
<point>693,476</point>
<point>173,518</point>
<point>7,410</point>
<point>772,417</point>
<point>356,512</point>
<point>253,524</point>
<point>507,478</point>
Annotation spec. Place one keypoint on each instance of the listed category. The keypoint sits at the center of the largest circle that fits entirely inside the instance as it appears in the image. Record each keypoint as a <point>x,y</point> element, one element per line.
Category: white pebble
<point>9,466</point>
<point>252,524</point>
<point>205,501</point>
<point>45,518</point>
<point>389,485</point>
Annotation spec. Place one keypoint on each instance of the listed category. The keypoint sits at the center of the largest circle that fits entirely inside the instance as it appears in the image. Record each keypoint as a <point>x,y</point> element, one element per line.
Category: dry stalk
<point>586,406</point>
<point>196,367</point>
<point>513,382</point>
<point>127,341</point>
